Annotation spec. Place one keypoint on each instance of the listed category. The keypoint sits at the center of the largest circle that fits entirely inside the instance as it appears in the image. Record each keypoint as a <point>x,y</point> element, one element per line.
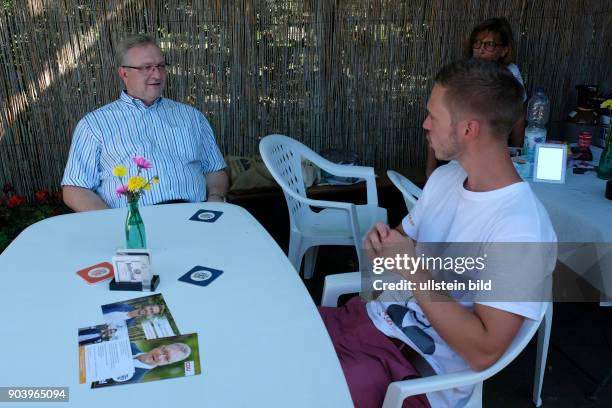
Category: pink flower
<point>142,163</point>
<point>121,190</point>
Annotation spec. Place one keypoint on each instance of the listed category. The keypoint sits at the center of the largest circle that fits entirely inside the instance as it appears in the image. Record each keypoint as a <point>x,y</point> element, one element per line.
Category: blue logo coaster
<point>206,216</point>
<point>200,275</point>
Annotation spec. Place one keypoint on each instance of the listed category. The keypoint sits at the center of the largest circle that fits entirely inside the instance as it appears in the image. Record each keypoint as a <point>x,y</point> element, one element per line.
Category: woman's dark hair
<point>498,26</point>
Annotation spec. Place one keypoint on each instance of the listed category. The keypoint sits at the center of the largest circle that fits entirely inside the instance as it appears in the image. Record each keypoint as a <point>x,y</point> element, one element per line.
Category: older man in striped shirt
<point>175,137</point>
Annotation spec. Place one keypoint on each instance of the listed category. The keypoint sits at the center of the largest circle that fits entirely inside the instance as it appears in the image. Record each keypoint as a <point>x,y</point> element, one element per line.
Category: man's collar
<point>137,102</point>
<point>140,364</point>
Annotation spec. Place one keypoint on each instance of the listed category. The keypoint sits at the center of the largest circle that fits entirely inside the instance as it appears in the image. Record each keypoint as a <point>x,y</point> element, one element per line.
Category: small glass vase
<point>604,169</point>
<point>135,236</point>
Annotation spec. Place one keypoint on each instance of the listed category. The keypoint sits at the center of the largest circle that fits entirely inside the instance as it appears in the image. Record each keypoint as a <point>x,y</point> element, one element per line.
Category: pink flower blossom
<point>142,163</point>
<point>121,190</point>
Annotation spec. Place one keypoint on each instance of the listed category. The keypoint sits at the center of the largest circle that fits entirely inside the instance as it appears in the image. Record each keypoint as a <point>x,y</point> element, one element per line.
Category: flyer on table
<point>146,317</point>
<point>104,352</point>
<point>159,359</point>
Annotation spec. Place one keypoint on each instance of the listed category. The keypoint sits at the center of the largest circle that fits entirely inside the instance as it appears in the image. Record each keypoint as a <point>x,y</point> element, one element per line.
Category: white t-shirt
<point>517,74</point>
<point>447,212</point>
<point>116,317</point>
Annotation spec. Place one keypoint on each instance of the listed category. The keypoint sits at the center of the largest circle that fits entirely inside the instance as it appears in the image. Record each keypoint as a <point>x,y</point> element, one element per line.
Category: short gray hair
<point>184,349</point>
<point>131,41</point>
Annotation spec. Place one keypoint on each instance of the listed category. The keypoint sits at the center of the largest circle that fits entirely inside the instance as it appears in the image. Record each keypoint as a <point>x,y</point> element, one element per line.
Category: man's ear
<point>470,129</point>
<point>122,73</point>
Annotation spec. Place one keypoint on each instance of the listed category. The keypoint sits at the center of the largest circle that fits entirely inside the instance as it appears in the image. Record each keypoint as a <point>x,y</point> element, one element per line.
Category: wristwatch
<point>220,195</point>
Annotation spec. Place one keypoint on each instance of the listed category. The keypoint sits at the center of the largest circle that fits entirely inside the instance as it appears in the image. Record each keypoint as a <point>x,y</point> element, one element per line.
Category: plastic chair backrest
<point>284,161</point>
<point>408,189</point>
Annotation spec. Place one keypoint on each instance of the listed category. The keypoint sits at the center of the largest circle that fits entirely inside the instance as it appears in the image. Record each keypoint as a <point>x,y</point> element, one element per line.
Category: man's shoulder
<point>93,118</point>
<point>172,104</point>
<point>450,173</point>
<point>116,307</point>
<point>109,107</point>
<point>521,214</point>
<point>452,167</point>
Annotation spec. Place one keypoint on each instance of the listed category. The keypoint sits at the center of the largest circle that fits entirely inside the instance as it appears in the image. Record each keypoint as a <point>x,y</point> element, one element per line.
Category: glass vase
<point>604,169</point>
<point>135,236</point>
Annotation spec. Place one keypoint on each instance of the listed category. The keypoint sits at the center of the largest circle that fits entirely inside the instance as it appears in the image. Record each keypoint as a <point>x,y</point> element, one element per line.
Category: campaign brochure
<point>158,359</point>
<point>104,352</point>
<point>146,317</point>
<point>140,342</point>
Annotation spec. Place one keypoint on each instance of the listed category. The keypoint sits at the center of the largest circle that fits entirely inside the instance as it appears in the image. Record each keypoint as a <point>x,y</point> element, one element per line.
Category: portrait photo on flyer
<point>159,359</point>
<point>146,317</point>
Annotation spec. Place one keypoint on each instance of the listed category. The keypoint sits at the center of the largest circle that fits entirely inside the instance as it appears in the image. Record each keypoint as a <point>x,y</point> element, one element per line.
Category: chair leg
<point>310,259</point>
<point>294,255</point>
<point>542,353</point>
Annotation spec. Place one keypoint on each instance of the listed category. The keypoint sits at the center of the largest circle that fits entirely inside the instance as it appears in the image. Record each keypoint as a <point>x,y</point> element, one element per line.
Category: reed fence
<point>351,75</point>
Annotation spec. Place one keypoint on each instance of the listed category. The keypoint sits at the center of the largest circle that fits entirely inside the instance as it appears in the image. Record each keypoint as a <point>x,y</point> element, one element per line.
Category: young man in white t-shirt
<point>477,198</point>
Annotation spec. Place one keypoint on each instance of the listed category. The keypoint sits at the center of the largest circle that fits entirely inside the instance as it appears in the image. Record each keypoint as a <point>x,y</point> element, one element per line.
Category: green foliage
<point>7,5</point>
<point>17,213</point>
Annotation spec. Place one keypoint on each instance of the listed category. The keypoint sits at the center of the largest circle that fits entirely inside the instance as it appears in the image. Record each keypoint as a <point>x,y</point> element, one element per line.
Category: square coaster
<point>200,275</point>
<point>206,216</point>
<point>96,273</point>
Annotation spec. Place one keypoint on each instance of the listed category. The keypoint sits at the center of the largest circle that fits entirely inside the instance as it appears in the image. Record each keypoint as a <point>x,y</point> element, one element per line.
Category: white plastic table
<point>262,342</point>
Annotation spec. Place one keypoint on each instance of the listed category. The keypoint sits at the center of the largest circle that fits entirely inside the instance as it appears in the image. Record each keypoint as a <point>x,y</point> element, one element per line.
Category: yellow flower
<point>136,183</point>
<point>155,180</point>
<point>147,187</point>
<point>607,104</point>
<point>119,170</point>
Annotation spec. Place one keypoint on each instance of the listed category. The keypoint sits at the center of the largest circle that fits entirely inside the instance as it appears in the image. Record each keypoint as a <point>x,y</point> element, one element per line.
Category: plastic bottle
<point>538,111</point>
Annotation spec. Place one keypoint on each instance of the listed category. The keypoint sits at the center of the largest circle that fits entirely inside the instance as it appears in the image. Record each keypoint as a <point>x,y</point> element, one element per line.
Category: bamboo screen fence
<point>333,73</point>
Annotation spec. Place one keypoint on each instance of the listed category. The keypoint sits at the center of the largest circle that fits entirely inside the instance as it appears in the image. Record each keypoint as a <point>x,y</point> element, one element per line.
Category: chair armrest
<point>317,203</point>
<point>343,170</point>
<point>339,284</point>
<point>338,205</point>
<point>366,173</point>
<point>398,391</point>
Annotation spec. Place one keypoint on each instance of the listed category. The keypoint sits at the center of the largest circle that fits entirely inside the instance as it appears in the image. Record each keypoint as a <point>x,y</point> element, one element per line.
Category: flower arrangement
<point>136,185</point>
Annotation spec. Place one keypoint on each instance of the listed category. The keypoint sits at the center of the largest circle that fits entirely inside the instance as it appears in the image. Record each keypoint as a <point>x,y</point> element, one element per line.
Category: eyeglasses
<point>488,45</point>
<point>148,69</point>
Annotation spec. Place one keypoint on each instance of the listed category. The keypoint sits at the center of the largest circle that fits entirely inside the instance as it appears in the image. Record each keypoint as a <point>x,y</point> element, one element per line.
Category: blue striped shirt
<point>175,137</point>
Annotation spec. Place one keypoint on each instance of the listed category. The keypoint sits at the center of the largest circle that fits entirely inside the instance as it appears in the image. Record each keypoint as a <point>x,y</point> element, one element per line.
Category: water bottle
<point>538,110</point>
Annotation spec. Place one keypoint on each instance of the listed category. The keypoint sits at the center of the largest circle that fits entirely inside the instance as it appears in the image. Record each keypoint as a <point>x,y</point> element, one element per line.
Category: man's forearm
<point>82,199</point>
<point>480,336</point>
<point>217,184</point>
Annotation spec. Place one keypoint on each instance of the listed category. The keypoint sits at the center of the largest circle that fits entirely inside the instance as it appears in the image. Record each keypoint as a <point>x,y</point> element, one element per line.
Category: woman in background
<point>492,40</point>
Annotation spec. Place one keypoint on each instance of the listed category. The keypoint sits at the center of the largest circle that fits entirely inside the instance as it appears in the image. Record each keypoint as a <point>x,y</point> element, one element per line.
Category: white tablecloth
<point>578,209</point>
<point>580,213</point>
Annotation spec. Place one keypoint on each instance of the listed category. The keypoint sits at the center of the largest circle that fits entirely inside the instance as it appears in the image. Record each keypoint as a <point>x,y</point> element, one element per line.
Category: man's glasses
<point>488,45</point>
<point>148,69</point>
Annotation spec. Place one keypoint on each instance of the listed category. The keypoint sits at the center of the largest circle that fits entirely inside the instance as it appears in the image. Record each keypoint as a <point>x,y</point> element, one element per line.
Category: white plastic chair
<point>408,189</point>
<point>338,223</point>
<point>339,284</point>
